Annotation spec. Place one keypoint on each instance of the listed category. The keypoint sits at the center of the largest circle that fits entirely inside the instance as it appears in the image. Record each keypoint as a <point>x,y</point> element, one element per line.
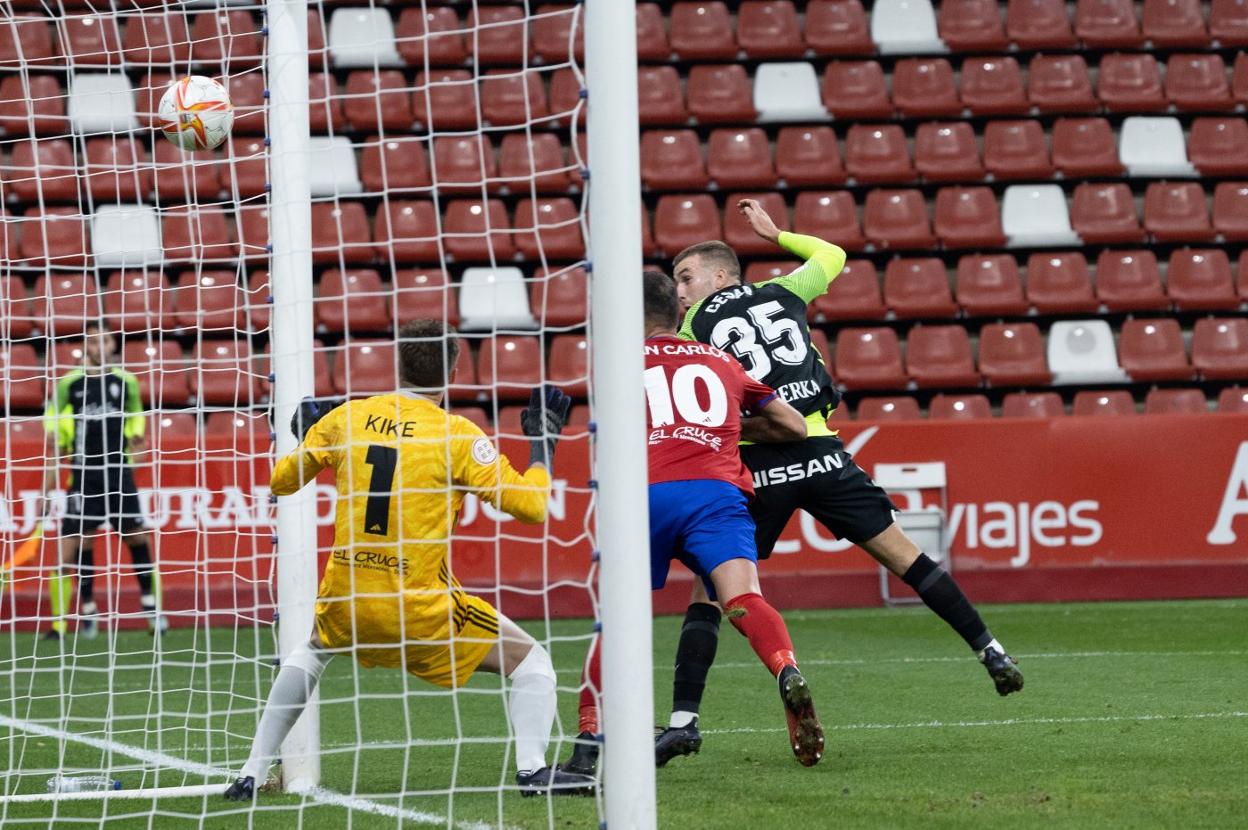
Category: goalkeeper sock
<point>291,690</point>
<point>940,593</point>
<point>762,626</point>
<point>86,575</point>
<point>142,559</point>
<point>59,588</point>
<point>591,682</point>
<point>531,706</point>
<point>699,640</point>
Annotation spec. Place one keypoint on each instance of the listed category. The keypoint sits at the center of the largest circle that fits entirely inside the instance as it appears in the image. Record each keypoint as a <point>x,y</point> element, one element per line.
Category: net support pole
<point>623,531</point>
<point>290,234</point>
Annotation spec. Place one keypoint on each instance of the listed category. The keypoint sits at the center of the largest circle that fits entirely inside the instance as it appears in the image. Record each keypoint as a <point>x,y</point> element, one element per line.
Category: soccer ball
<point>196,113</point>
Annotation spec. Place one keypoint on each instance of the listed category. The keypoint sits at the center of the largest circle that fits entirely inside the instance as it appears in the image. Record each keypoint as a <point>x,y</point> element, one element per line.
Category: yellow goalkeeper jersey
<point>403,466</point>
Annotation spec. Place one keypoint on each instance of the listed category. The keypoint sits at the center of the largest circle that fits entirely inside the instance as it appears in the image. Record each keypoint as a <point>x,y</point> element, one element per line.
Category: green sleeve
<point>824,262</point>
<point>136,424</point>
<point>686,327</point>
<point>58,416</point>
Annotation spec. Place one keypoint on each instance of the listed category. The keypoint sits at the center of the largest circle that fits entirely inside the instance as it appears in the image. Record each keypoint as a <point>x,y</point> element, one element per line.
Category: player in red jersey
<point>699,494</point>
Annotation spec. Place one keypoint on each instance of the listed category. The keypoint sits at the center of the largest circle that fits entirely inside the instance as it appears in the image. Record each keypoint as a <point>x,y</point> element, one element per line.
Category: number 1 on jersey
<point>683,391</point>
<point>383,460</point>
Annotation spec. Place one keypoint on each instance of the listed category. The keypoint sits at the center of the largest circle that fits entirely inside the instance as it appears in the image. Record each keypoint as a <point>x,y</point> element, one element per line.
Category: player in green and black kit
<point>95,418</point>
<point>764,327</point>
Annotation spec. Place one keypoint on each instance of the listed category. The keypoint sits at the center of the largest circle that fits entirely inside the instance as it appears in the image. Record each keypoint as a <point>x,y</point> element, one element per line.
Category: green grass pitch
<point>1134,715</point>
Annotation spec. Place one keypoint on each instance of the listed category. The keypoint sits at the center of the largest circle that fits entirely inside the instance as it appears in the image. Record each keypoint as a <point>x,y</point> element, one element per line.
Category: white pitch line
<point>937,724</point>
<point>320,795</point>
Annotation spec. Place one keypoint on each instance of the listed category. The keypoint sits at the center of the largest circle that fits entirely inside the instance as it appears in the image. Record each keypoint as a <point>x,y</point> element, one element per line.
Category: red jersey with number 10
<point>695,395</point>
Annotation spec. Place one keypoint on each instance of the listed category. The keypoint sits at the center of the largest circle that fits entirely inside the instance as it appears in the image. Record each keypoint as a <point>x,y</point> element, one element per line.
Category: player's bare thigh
<point>893,549</point>
<point>514,644</point>
<point>734,578</point>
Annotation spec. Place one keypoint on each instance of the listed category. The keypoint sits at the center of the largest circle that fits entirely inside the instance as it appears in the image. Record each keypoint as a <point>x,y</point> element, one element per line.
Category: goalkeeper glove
<point>542,420</point>
<point>307,413</point>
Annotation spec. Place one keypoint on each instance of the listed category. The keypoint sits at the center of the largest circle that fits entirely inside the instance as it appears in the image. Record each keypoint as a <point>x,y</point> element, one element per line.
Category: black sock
<point>699,639</point>
<point>86,576</point>
<point>142,560</point>
<point>937,589</point>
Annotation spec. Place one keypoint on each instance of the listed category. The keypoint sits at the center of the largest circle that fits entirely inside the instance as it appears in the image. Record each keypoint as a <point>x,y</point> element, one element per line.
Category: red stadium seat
<point>324,104</point>
<point>1152,350</point>
<point>464,230</point>
<point>510,366</point>
<point>445,99</point>
<point>940,356</point>
<point>1239,78</point>
<point>510,98</point>
<point>198,233</point>
<point>652,44</point>
<point>838,27</point>
<point>549,229</point>
<point>394,165</point>
<point>1107,24</point>
<point>854,295</point>
<point>1228,22</point>
<point>245,172</point>
<point>971,25</point>
<point>464,385</point>
<point>340,233</point>
<point>649,247</point>
<point>34,34</point>
<point>1059,283</point>
<point>1060,83</point>
<point>1174,23</point>
<point>16,310</point>
<point>1198,82</point>
<point>925,88</point>
<point>740,159</point>
<point>1200,280</point>
<point>552,31</point>
<point>229,38</point>
<point>182,427</point>
<point>1130,83</point>
<point>378,101</point>
<point>22,377</point>
<point>918,288</point>
<point>247,431</point>
<point>1233,399</point>
<point>989,286</point>
<point>209,301</point>
<point>535,159</point>
<point>560,297</point>
<point>903,408</point>
<point>1114,402</point>
<point>968,217</point>
<point>1220,348</point>
<point>163,373</point>
<point>702,30</point>
<point>1129,281</point>
<point>1039,24</point>
<point>42,169</point>
<point>32,103</point>
<point>808,157</point>
<point>496,34</point>
<point>223,373</point>
<point>464,162</point>
<point>680,221</point>
<point>1219,146</point>
<point>1176,212</point>
<point>1085,147</point>
<point>760,271</point>
<point>769,29</point>
<point>569,364</point>
<point>406,232</point>
<point>259,295</point>
<point>247,94</point>
<point>957,407</point>
<point>855,90</point>
<point>433,32</point>
<point>946,151</point>
<point>156,38</point>
<point>1016,150</point>
<point>479,417</point>
<point>1012,354</point>
<point>91,40</point>
<point>58,236</point>
<point>243,90</point>
<point>720,93</point>
<point>424,293</point>
<point>829,215</point>
<point>820,341</point>
<point>869,358</point>
<point>567,96</point>
<point>1175,402</point>
<point>136,301</point>
<point>1102,213</point>
<point>737,231</point>
<point>897,219</point>
<point>878,153</point>
<point>660,99</point>
<point>672,160</point>
<point>181,176</point>
<point>353,301</point>
<point>1230,210</point>
<point>366,367</point>
<point>1032,405</point>
<point>993,86</point>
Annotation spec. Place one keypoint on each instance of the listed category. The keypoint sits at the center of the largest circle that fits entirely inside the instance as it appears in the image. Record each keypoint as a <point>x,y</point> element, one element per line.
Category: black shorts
<point>818,476</point>
<point>95,498</point>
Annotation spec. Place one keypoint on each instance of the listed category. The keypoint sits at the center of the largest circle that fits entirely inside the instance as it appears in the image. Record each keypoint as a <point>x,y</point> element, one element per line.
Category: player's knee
<point>309,660</point>
<point>535,664</point>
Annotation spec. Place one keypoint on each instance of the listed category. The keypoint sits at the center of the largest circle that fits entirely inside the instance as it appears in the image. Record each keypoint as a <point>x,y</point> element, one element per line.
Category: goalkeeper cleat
<point>554,781</point>
<point>584,760</point>
<point>805,731</point>
<point>51,636</point>
<point>157,624</point>
<point>243,789</point>
<point>676,740</point>
<point>1003,671</point>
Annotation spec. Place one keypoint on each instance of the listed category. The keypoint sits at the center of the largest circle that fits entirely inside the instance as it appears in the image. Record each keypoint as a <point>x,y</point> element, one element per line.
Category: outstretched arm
<point>824,260</point>
<point>778,422</point>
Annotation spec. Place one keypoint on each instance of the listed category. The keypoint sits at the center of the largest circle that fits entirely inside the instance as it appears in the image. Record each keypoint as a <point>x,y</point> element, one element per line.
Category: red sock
<point>591,682</point>
<point>762,626</point>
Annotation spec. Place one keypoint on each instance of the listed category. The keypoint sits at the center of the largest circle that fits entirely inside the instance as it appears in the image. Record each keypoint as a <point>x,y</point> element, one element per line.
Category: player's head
<point>703,269</point>
<point>98,344</point>
<point>428,352</point>
<point>662,309</point>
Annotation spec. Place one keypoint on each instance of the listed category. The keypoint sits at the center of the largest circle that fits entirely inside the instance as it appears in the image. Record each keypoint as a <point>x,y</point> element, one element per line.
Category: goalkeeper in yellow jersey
<point>403,466</point>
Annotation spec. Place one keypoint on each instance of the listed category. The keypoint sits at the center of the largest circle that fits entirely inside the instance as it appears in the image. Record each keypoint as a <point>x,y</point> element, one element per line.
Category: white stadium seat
<point>788,92</point>
<point>101,103</point>
<point>1154,147</point>
<point>362,37</point>
<point>331,167</point>
<point>1037,215</point>
<point>493,299</point>
<point>126,236</point>
<point>905,27</point>
<point>1083,352</point>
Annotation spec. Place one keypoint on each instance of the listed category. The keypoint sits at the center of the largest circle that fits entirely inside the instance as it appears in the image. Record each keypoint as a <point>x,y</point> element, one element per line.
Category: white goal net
<point>444,160</point>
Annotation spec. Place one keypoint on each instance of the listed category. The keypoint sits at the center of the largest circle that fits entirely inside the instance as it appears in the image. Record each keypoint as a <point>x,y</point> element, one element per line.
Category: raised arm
<point>824,260</point>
